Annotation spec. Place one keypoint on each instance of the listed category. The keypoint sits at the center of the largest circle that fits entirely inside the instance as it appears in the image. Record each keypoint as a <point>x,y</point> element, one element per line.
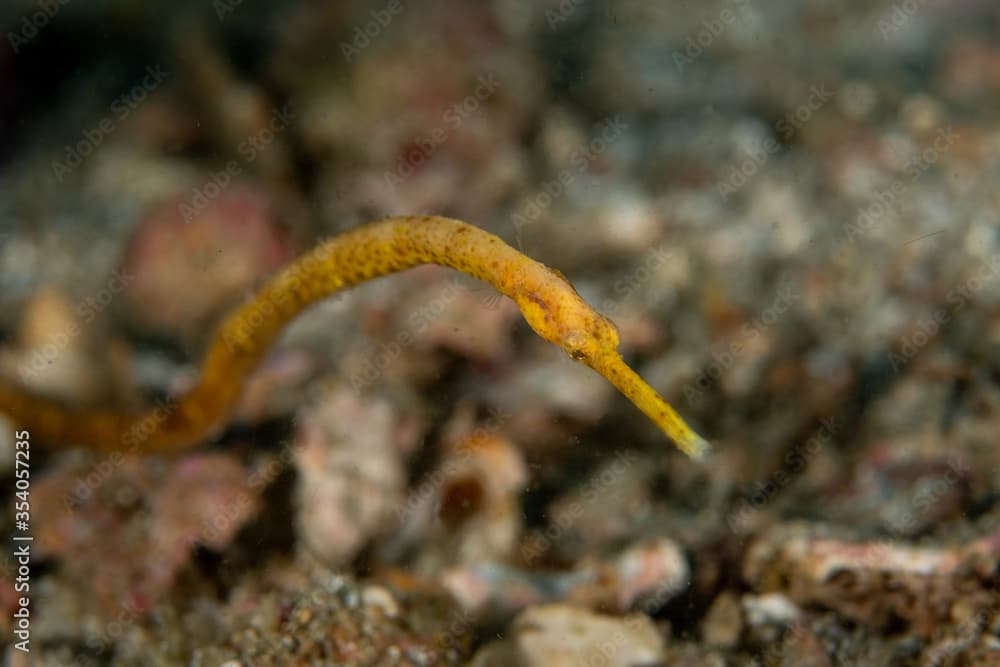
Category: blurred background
<point>785,207</point>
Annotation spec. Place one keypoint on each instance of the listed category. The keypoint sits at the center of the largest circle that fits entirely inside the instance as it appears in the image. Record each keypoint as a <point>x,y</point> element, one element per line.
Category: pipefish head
<point>557,313</point>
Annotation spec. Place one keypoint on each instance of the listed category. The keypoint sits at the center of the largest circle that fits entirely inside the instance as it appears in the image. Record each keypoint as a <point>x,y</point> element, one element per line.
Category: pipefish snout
<point>546,298</point>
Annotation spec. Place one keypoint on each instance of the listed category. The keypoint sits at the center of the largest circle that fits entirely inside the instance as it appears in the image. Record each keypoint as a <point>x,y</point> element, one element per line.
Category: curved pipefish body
<point>549,303</point>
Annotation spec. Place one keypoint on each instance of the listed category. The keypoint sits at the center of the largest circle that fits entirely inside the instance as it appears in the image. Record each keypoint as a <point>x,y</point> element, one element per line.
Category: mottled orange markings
<point>549,303</point>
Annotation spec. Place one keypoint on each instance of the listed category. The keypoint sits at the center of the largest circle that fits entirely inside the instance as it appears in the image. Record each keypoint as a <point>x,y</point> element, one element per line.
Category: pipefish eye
<point>574,345</point>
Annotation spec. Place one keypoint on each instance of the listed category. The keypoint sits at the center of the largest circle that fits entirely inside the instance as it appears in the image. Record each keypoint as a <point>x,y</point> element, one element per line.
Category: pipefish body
<point>547,300</point>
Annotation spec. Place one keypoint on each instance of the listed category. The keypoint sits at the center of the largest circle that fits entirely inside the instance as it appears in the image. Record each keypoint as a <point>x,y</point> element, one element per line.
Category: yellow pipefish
<point>549,303</point>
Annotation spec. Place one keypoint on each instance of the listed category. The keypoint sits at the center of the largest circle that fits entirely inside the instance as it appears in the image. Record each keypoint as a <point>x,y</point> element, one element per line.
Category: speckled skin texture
<point>549,303</point>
